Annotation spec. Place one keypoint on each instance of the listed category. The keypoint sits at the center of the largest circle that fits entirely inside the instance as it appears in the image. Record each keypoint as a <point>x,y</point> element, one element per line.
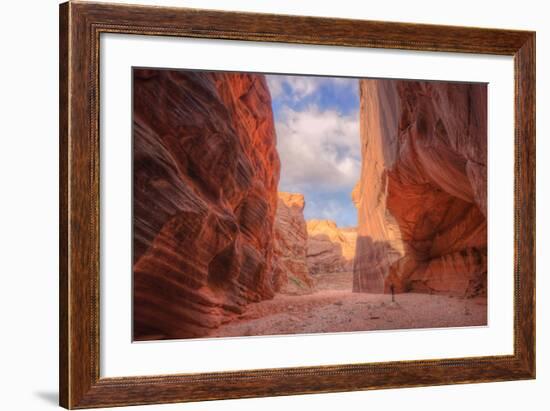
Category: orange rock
<point>291,272</point>
<point>206,171</point>
<point>422,196</point>
<point>330,248</point>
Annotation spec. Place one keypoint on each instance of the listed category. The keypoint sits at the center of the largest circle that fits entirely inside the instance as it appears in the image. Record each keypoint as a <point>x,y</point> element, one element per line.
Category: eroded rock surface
<point>422,195</point>
<point>330,248</point>
<point>205,193</point>
<point>290,264</point>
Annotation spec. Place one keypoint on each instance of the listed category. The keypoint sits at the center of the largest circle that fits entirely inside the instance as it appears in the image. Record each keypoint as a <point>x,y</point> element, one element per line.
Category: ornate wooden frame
<point>80,27</point>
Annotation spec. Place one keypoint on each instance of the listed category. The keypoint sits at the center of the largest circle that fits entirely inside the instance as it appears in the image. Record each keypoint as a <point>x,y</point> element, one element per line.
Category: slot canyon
<point>422,193</point>
<point>219,251</point>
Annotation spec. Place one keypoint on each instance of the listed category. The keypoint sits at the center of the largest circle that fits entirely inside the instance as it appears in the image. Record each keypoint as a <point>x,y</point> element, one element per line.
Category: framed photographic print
<point>257,205</point>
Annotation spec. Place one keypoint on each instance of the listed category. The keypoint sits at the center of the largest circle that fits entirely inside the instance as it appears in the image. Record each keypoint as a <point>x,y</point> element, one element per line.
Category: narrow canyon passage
<point>268,204</point>
<point>314,282</point>
<point>421,227</point>
<point>333,307</point>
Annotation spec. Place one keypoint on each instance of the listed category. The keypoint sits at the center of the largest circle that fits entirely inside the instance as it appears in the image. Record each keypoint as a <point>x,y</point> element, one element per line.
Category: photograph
<point>277,204</point>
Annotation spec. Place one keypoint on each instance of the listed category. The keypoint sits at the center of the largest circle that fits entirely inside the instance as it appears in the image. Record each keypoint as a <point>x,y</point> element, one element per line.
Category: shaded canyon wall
<point>422,195</point>
<point>290,246</point>
<point>205,194</point>
<point>330,248</point>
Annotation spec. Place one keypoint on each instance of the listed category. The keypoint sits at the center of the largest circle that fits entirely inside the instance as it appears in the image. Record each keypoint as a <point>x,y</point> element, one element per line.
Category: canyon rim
<point>281,204</point>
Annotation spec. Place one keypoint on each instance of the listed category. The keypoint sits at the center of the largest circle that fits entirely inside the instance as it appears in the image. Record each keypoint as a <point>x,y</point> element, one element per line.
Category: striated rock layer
<point>422,195</point>
<point>330,248</point>
<point>290,264</point>
<point>205,193</point>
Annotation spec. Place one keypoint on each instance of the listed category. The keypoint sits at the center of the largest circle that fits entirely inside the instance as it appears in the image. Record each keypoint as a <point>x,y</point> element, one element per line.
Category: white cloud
<point>275,85</point>
<point>300,87</point>
<point>328,210</point>
<point>303,86</point>
<point>318,149</point>
<point>297,87</point>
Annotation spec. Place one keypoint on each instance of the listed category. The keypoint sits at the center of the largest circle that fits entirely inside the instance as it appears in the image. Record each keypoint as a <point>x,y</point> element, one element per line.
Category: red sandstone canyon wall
<point>422,194</point>
<point>330,248</point>
<point>290,246</point>
<point>205,194</point>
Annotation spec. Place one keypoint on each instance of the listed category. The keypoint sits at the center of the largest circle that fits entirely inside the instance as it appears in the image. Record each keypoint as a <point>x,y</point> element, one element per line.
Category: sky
<point>317,125</point>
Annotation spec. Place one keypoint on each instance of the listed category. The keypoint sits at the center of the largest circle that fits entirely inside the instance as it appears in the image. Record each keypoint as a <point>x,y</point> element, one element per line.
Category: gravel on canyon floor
<point>333,307</point>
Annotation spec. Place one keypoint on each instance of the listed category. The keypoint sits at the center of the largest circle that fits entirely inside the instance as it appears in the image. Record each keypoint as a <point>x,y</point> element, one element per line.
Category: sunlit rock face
<point>330,248</point>
<point>290,264</point>
<point>205,194</point>
<point>422,195</point>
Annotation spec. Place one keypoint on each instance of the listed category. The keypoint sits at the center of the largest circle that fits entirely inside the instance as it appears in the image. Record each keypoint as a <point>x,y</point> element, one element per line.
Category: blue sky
<point>317,124</point>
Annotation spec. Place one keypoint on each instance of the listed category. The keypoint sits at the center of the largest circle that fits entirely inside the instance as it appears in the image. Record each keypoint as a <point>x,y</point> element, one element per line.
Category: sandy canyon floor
<point>332,307</point>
